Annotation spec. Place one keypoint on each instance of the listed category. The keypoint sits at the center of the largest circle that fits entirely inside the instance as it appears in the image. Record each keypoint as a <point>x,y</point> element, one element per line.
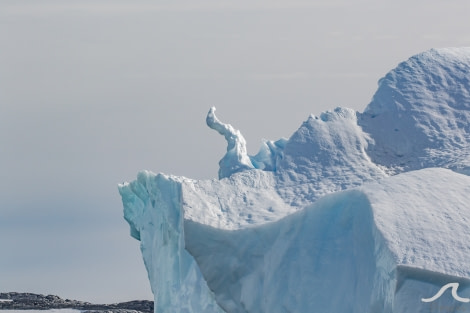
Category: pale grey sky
<point>91,92</point>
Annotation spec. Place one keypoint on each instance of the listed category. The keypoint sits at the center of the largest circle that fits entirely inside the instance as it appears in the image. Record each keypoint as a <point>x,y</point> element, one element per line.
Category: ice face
<point>153,209</point>
<point>355,212</point>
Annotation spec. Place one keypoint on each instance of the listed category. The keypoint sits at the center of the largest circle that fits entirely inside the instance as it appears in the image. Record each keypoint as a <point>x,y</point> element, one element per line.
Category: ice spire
<point>236,159</point>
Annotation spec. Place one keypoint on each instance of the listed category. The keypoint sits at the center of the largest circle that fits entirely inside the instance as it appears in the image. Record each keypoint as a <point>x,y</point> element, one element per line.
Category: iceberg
<point>355,212</point>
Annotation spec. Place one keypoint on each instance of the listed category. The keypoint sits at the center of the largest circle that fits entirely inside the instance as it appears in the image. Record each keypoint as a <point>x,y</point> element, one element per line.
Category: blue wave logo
<point>454,287</point>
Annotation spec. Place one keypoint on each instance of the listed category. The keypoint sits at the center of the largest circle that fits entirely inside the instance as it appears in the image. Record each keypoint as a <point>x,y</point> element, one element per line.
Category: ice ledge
<point>226,271</point>
<point>368,249</point>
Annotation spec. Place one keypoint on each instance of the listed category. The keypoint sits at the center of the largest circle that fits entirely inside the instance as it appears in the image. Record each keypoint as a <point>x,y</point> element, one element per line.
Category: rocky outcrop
<point>32,301</point>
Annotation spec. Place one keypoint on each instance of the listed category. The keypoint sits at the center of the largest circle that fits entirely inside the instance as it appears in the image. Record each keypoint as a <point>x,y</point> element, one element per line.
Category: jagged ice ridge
<point>355,212</point>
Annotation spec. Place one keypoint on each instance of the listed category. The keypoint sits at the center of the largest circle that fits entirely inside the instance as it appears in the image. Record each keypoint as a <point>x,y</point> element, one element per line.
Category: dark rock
<point>32,301</point>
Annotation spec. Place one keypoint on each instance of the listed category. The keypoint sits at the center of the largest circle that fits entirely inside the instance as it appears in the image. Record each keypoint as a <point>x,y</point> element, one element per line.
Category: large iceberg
<point>355,212</point>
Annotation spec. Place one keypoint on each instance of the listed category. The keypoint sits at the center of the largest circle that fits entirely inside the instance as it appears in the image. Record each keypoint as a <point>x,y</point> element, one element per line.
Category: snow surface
<point>355,212</point>
<point>419,117</point>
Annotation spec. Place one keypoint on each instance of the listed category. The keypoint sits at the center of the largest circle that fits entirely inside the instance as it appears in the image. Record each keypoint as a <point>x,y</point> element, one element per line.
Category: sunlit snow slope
<point>355,212</point>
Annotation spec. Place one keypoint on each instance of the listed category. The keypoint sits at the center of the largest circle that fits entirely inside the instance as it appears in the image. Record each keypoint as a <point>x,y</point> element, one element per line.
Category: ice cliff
<point>355,212</point>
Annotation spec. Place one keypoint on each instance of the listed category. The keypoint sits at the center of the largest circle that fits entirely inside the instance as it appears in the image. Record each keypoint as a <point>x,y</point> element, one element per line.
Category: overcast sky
<point>91,92</point>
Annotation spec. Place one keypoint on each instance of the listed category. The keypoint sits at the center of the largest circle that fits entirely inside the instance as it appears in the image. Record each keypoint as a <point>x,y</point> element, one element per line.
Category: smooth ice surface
<point>355,212</point>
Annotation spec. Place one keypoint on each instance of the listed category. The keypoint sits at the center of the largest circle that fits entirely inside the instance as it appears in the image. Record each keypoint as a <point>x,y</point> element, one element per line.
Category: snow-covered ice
<point>419,116</point>
<point>355,212</point>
